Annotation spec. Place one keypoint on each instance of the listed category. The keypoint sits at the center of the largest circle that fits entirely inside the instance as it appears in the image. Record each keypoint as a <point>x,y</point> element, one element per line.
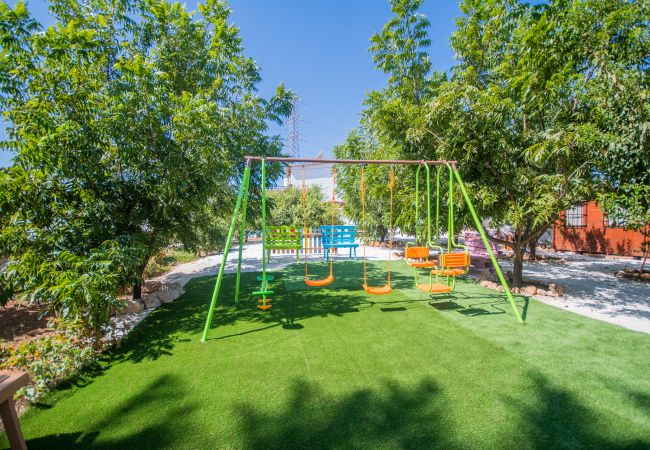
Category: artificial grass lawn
<point>337,368</point>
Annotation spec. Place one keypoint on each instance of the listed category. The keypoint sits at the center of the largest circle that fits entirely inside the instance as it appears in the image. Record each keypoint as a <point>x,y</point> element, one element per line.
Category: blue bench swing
<point>338,236</point>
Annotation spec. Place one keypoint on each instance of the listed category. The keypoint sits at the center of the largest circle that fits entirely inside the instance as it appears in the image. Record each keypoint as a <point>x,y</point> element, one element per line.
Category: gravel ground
<point>593,290</point>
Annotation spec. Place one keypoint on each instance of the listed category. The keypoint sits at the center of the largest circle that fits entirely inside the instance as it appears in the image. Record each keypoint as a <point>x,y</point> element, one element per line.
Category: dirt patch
<point>22,322</point>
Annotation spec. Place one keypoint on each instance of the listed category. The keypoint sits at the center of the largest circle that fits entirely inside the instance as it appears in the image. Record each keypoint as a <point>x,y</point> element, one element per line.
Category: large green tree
<point>521,111</point>
<point>128,120</point>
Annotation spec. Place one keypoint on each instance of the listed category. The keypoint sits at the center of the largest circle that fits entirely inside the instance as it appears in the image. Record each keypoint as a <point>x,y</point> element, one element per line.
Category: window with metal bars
<point>576,216</point>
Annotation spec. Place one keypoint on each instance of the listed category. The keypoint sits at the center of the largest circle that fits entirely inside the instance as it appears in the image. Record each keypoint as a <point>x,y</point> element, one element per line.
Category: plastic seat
<point>423,264</point>
<point>378,290</point>
<point>448,272</point>
<point>318,283</point>
<point>434,288</point>
<point>261,293</point>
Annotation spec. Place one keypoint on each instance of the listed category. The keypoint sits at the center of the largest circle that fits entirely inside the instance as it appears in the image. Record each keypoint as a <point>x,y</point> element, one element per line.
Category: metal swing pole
<point>231,232</point>
<point>263,288</point>
<point>438,169</point>
<point>488,247</point>
<point>242,237</point>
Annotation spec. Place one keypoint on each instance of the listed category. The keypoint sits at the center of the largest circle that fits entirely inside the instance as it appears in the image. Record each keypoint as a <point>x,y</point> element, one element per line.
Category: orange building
<point>586,229</point>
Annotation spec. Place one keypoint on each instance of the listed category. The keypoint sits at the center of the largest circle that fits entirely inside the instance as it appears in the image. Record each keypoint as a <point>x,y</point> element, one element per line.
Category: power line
<point>321,126</point>
<point>293,139</point>
<point>326,112</point>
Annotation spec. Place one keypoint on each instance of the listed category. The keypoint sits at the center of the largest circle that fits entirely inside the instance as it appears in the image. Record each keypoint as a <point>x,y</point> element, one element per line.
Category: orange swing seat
<point>385,289</point>
<point>434,288</point>
<point>453,264</point>
<point>378,290</point>
<point>319,283</point>
<point>421,257</point>
<point>330,278</point>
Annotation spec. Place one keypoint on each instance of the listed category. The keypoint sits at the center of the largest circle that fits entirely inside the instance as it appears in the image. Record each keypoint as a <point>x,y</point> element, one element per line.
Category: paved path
<point>593,290</point>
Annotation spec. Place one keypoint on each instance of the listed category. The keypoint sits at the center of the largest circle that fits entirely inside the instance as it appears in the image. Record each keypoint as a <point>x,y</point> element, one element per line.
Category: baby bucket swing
<point>330,278</point>
<point>385,289</point>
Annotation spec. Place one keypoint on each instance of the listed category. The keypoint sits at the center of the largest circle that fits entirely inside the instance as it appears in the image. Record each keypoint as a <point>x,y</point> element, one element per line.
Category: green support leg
<point>264,282</point>
<point>488,247</point>
<point>242,236</point>
<point>438,170</point>
<point>231,232</point>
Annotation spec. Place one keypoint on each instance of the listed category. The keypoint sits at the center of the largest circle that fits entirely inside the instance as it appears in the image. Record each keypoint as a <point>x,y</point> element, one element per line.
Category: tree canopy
<point>128,120</point>
<point>287,207</point>
<point>545,107</point>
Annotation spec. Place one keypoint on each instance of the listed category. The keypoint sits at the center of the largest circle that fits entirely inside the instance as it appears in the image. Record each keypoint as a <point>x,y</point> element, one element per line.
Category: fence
<point>312,243</point>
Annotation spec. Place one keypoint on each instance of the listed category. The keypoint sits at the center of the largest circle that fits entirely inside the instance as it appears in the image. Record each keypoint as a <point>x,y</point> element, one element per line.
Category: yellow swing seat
<point>319,283</point>
<point>434,288</point>
<point>378,290</point>
<point>423,264</point>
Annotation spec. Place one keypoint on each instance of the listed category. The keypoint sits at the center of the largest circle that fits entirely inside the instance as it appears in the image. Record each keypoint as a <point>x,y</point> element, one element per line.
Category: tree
<point>516,112</point>
<point>360,146</point>
<point>287,207</point>
<point>617,90</point>
<point>128,120</point>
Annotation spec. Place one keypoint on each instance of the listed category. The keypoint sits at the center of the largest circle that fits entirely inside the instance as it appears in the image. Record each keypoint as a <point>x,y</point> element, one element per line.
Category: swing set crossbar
<point>412,162</point>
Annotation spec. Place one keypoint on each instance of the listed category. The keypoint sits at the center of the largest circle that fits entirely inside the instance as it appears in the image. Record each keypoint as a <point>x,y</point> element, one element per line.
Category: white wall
<point>316,173</point>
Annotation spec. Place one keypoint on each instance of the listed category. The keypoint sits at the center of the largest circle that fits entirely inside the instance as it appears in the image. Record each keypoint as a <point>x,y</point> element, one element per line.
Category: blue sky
<point>320,50</point>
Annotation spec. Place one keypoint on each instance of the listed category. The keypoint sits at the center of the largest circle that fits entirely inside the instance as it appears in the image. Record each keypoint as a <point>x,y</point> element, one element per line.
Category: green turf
<point>337,368</point>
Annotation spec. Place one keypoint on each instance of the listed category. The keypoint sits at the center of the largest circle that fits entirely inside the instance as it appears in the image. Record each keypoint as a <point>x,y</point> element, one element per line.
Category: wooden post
<point>9,384</point>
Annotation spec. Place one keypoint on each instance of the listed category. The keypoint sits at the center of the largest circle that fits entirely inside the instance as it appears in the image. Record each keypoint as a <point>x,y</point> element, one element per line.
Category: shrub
<point>49,359</point>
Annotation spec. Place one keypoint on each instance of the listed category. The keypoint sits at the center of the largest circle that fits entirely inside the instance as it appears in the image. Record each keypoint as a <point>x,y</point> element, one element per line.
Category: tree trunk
<point>137,290</point>
<point>645,246</point>
<point>137,287</point>
<point>532,250</point>
<point>518,266</point>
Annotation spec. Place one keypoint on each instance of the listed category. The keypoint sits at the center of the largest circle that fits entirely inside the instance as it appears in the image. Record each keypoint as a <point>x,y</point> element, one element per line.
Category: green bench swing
<point>283,238</point>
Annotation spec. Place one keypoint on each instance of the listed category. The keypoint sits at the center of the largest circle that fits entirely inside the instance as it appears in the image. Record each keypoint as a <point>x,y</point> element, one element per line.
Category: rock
<point>132,306</point>
<point>167,296</point>
<point>557,288</point>
<point>485,283</point>
<point>529,290</point>
<point>152,285</point>
<point>515,290</point>
<point>151,300</point>
<point>542,292</point>
<point>500,288</point>
<point>482,276</point>
<point>551,293</point>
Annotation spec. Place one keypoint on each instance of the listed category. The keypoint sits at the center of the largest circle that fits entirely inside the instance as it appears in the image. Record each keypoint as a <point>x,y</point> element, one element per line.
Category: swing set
<point>453,261</point>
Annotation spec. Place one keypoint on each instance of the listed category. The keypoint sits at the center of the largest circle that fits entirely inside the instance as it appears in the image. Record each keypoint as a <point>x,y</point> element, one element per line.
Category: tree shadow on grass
<point>555,418</point>
<point>183,319</point>
<point>393,416</point>
<point>164,395</point>
<point>292,301</point>
<point>496,300</point>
